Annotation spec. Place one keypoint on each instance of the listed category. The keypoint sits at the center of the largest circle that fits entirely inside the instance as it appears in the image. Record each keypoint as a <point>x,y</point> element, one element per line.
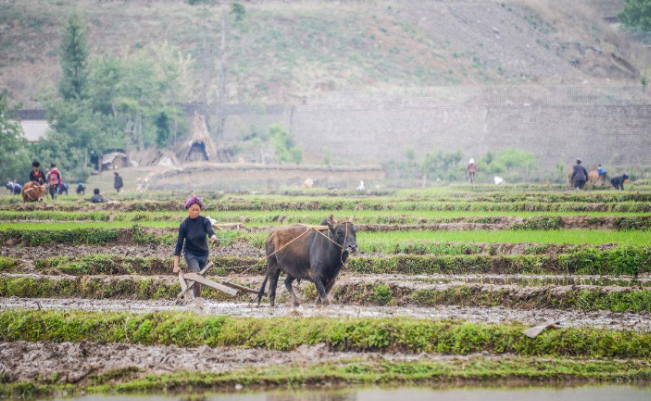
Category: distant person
<point>14,188</point>
<point>117,182</point>
<point>63,188</point>
<point>579,175</point>
<point>97,198</point>
<point>361,186</point>
<point>472,170</point>
<point>603,175</point>
<point>36,175</point>
<point>618,182</point>
<point>81,189</point>
<point>54,179</point>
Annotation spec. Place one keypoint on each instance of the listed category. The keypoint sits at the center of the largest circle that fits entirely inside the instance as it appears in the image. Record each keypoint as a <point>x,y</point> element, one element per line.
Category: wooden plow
<point>187,281</point>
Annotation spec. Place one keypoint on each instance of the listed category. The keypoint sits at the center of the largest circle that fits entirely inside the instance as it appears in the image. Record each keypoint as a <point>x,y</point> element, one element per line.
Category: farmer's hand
<point>213,239</point>
<point>176,268</point>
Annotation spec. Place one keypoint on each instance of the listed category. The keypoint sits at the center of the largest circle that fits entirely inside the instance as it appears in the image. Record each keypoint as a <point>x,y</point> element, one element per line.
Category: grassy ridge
<point>618,299</point>
<point>256,218</point>
<point>590,261</point>
<point>408,205</point>
<point>446,373</point>
<point>358,334</point>
<point>328,205</point>
<point>383,242</point>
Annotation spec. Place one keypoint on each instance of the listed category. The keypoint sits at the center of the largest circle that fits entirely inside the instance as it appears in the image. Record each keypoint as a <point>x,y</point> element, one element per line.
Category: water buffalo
<point>593,178</point>
<point>315,254</point>
<point>33,192</point>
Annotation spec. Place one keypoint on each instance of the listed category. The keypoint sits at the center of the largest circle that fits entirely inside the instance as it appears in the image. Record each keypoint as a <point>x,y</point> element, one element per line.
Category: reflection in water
<point>587,393</point>
<point>313,396</point>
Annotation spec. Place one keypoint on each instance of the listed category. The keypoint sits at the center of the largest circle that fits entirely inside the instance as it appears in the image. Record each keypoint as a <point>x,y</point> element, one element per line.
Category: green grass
<point>541,296</point>
<point>386,241</point>
<point>342,334</point>
<point>67,226</point>
<point>275,217</point>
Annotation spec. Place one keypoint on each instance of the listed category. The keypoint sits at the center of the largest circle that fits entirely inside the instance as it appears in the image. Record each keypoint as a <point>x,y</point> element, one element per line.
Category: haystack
<point>199,146</point>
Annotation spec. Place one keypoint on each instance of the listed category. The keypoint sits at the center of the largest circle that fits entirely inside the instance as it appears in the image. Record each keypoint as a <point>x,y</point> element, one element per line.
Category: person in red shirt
<point>472,170</point>
<point>54,179</point>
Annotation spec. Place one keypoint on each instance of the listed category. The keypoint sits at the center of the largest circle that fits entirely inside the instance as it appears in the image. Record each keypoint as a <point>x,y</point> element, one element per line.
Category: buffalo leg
<point>261,292</point>
<point>323,296</point>
<point>273,284</point>
<point>288,285</point>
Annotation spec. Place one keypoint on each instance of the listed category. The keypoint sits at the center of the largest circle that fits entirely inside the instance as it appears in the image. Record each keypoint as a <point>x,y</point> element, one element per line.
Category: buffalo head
<point>343,232</point>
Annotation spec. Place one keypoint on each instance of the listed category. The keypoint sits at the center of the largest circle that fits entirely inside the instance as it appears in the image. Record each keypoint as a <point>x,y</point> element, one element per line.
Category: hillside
<point>284,50</point>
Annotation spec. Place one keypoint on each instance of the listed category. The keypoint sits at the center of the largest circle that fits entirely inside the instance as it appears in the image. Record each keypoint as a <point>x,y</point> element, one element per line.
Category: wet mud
<point>77,362</point>
<point>640,321</point>
<point>239,248</point>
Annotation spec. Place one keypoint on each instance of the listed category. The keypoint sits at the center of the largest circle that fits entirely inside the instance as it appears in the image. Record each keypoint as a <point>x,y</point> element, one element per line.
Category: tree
<point>77,135</point>
<point>637,14</point>
<point>74,55</point>
<point>238,10</point>
<point>284,146</point>
<point>511,163</point>
<point>162,129</point>
<point>14,160</point>
<point>443,164</point>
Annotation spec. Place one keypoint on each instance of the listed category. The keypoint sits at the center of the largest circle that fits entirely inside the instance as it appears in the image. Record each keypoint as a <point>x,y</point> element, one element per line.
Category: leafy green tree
<point>512,163</point>
<point>162,129</point>
<point>286,150</point>
<point>14,159</point>
<point>238,11</point>
<point>327,156</point>
<point>74,55</point>
<point>410,153</point>
<point>443,164</point>
<point>637,13</point>
<point>76,137</point>
<point>297,155</point>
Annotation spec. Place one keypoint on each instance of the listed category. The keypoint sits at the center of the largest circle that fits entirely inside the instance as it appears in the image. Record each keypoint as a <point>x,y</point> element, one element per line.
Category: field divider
<point>619,261</point>
<point>399,334</point>
<point>351,291</point>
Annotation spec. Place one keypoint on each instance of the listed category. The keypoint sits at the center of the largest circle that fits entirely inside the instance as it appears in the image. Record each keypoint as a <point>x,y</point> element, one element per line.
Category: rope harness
<point>310,229</point>
<point>30,189</point>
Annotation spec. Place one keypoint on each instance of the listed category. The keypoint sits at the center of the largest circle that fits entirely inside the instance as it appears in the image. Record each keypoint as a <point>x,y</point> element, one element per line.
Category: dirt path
<point>640,321</point>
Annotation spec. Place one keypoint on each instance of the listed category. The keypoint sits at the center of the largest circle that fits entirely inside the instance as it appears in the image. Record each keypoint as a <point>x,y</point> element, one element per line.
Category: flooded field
<point>600,393</point>
<point>88,301</point>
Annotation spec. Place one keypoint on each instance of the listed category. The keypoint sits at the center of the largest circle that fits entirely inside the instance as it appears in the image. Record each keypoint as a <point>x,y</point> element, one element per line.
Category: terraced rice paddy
<point>443,286</point>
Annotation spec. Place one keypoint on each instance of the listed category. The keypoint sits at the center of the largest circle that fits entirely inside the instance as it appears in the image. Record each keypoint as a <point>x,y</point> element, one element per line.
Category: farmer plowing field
<point>192,240</point>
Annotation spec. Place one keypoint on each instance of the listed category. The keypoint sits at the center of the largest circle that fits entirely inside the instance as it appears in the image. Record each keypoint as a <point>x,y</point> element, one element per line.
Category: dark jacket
<point>579,173</point>
<point>33,177</point>
<point>194,232</point>
<point>618,182</point>
<point>117,183</point>
<point>97,198</point>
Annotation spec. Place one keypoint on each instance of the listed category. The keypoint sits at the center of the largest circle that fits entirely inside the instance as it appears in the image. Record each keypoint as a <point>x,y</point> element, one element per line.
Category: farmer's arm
<point>179,246</point>
<point>209,230</point>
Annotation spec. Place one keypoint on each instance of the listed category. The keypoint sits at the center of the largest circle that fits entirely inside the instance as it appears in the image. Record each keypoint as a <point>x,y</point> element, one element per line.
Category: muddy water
<point>640,321</point>
<point>596,393</point>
